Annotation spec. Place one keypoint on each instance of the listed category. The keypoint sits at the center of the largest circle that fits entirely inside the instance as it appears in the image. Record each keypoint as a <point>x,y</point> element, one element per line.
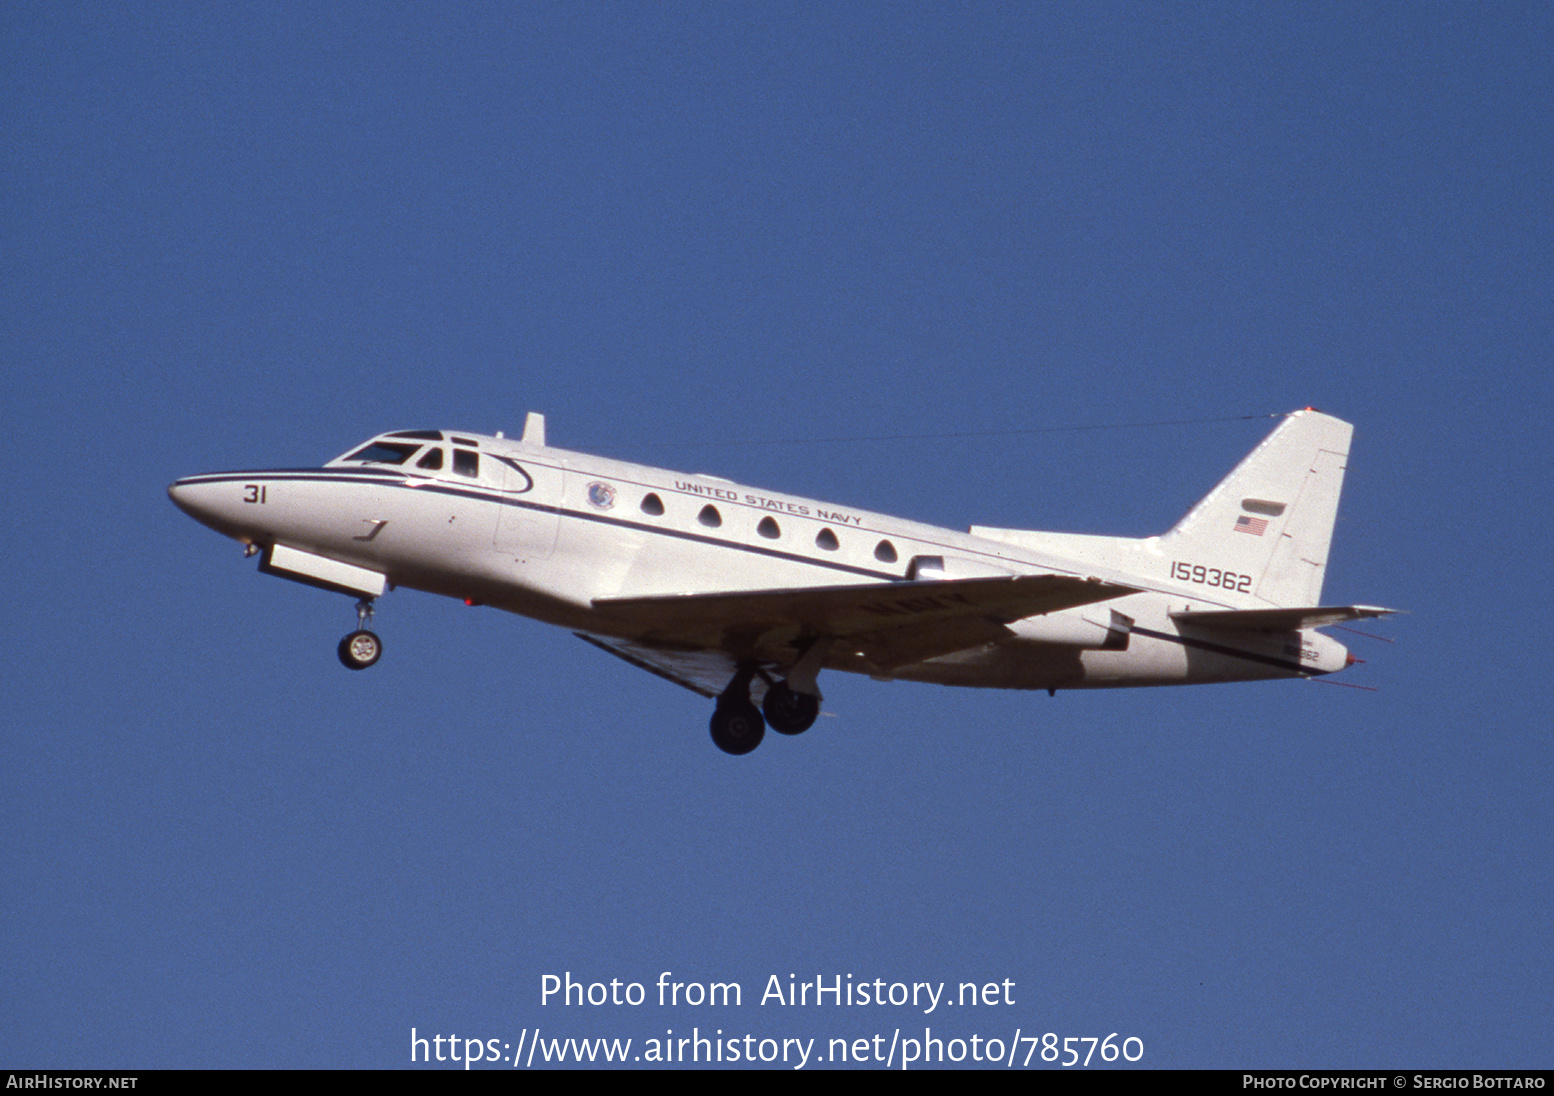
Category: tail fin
<point>1272,518</point>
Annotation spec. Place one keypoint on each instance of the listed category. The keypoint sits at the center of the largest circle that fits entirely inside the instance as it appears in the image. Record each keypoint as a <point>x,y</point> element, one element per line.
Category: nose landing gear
<point>361,648</point>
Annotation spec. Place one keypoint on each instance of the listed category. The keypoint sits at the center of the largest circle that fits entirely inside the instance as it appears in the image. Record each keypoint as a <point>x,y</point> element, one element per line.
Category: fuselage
<point>558,535</point>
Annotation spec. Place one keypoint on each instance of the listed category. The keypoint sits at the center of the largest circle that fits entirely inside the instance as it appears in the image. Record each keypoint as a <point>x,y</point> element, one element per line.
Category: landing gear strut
<point>361,648</point>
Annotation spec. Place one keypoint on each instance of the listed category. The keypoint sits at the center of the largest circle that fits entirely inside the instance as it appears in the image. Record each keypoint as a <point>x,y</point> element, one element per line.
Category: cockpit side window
<point>384,452</point>
<point>432,462</point>
<point>466,462</point>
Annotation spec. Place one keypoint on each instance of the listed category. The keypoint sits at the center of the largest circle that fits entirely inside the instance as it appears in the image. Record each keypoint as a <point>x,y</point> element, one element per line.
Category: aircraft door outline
<point>531,509</point>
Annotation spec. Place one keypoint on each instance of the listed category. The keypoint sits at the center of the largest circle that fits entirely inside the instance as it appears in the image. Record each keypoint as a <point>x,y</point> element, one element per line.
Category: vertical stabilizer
<point>1272,518</point>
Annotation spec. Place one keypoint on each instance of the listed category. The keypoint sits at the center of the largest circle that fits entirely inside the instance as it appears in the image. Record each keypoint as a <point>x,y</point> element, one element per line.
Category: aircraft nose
<point>209,503</point>
<point>183,493</point>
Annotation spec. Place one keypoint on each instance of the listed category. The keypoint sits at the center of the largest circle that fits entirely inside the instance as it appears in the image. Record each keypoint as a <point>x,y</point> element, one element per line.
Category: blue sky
<point>743,239</point>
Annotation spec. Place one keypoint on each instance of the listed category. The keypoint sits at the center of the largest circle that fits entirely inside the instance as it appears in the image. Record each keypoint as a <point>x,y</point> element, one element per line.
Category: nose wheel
<point>361,648</point>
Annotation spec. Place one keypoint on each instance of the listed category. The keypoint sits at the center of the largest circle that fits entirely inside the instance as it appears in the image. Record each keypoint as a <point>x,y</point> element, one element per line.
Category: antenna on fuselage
<point>534,429</point>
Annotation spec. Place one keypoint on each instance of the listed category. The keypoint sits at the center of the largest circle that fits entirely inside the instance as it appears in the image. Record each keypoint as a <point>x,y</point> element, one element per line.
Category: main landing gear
<point>738,726</point>
<point>788,711</point>
<point>361,648</point>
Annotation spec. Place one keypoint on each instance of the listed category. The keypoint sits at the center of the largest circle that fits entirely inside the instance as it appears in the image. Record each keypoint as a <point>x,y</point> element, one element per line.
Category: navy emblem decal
<point>601,495</point>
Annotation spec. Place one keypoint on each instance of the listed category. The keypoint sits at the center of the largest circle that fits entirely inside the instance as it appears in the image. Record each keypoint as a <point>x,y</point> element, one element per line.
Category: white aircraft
<point>745,595</point>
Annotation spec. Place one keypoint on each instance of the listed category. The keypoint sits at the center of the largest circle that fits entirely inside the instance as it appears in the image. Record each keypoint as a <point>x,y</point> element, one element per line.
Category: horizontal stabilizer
<point>1279,620</point>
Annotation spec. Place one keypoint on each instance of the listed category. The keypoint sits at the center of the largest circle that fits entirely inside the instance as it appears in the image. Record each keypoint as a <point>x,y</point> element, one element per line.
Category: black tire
<point>737,728</point>
<point>789,712</point>
<point>359,650</point>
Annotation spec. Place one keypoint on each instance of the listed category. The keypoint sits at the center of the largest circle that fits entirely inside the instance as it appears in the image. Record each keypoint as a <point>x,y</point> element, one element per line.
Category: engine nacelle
<point>1089,629</point>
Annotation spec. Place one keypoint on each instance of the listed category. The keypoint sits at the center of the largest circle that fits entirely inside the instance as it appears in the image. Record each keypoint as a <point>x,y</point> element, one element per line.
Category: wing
<point>704,672</point>
<point>875,628</point>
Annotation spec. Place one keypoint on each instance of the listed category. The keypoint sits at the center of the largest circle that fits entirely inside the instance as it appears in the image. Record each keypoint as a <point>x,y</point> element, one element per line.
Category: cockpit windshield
<point>383,452</point>
<point>413,451</point>
<point>388,449</point>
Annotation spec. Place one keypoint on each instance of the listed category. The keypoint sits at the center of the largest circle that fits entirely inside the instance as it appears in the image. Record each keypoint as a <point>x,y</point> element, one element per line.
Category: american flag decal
<point>1255,526</point>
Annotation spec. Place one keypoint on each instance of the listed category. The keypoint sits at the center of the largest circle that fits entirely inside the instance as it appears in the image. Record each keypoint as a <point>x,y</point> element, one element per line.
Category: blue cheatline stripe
<point>439,487</point>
